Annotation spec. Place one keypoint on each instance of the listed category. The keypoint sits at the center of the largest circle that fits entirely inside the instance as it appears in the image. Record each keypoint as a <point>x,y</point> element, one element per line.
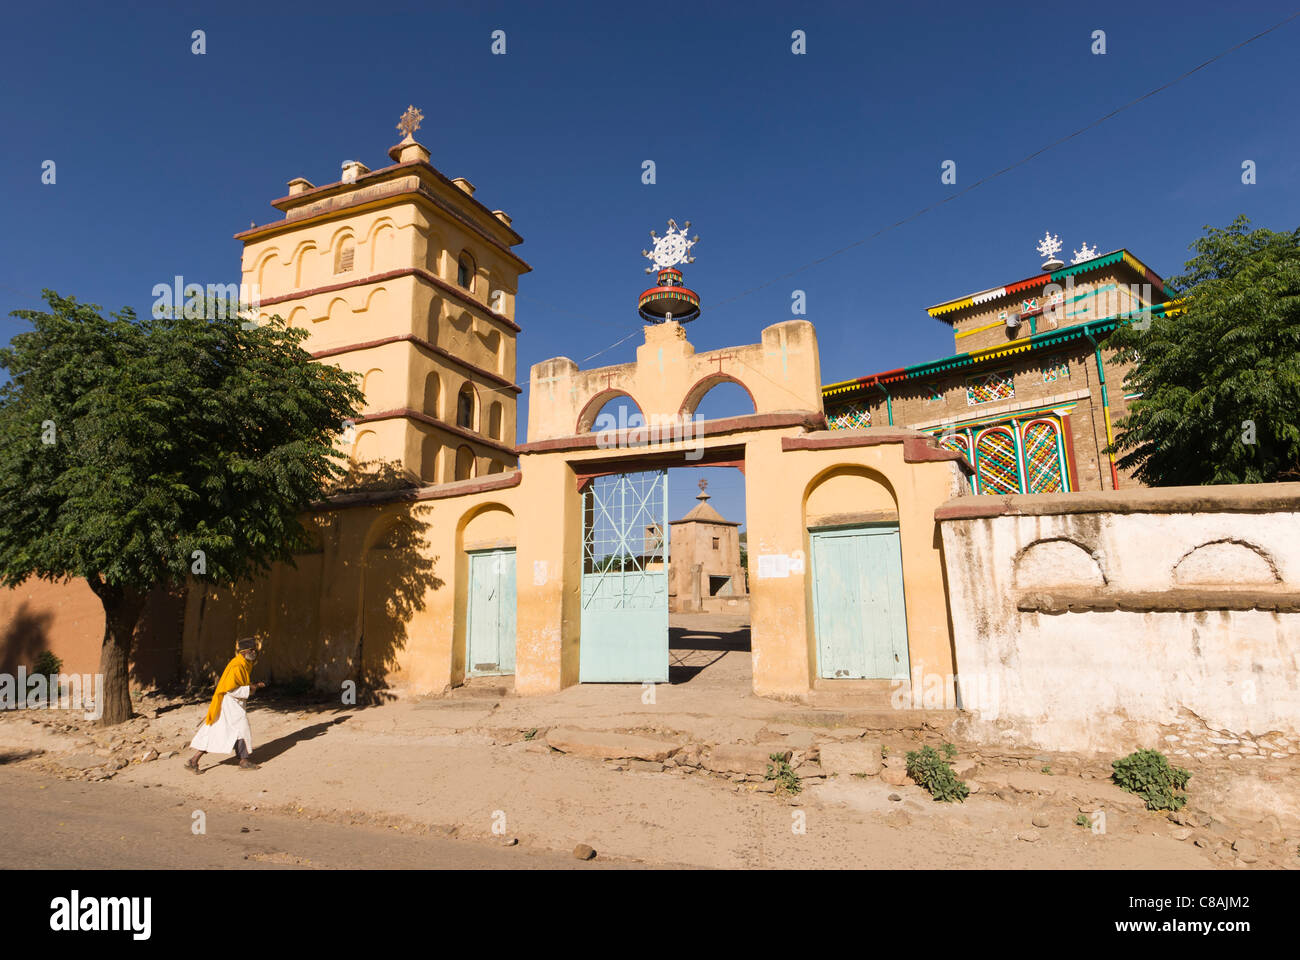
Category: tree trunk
<point>122,609</point>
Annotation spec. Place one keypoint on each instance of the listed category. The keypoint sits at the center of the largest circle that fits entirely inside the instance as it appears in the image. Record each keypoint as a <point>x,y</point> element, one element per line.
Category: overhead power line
<point>1007,169</point>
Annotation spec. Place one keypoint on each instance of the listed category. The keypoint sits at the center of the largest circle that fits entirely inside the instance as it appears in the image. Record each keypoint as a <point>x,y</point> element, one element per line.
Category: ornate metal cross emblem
<point>410,122</point>
<point>671,249</point>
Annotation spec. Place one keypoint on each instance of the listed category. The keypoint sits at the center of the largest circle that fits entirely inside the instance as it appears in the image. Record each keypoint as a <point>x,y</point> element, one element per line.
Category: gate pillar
<point>548,577</point>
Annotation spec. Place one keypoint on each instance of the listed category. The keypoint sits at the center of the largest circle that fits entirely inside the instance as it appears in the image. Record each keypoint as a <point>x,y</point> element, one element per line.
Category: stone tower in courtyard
<point>704,573</point>
<point>401,275</point>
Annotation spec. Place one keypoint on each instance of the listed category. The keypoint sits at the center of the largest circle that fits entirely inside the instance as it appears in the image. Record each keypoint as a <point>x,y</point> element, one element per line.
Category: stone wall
<point>1105,622</point>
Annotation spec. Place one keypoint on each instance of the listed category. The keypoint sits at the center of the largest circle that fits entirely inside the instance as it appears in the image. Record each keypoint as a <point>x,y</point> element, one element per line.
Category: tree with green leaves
<point>140,452</point>
<point>1220,381</point>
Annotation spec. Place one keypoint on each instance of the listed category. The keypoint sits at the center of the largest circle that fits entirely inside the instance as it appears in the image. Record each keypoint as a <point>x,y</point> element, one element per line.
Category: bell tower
<point>401,275</point>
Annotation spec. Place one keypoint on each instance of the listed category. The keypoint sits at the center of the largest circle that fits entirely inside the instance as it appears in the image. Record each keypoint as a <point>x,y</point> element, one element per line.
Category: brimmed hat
<point>248,643</point>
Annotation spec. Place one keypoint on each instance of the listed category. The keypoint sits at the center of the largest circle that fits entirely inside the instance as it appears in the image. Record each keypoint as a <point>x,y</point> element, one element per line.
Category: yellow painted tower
<point>401,275</point>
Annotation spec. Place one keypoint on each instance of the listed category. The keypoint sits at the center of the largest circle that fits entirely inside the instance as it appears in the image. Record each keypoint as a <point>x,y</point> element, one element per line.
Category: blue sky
<point>777,159</point>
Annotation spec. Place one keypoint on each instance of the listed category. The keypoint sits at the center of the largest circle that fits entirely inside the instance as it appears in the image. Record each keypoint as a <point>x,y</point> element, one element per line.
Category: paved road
<point>51,823</point>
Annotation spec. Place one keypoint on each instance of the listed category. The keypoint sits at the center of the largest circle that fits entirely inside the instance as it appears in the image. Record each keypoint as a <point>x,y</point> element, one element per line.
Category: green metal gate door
<point>625,579</point>
<point>858,607</point>
<point>490,632</point>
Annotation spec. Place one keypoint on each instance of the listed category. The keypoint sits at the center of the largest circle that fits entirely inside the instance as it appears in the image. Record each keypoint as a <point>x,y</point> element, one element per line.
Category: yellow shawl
<point>237,674</point>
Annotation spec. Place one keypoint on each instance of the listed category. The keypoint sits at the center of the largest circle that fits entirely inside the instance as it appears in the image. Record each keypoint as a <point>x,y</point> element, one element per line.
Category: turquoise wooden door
<point>625,579</point>
<point>858,608</point>
<point>490,630</point>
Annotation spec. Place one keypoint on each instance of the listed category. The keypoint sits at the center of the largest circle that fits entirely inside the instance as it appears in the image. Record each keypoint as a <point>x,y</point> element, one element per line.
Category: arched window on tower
<point>494,421</point>
<point>344,255</point>
<point>465,407</point>
<point>465,272</point>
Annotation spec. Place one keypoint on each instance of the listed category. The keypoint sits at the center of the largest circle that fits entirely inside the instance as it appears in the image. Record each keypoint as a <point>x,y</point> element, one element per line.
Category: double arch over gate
<point>588,418</point>
<point>780,447</point>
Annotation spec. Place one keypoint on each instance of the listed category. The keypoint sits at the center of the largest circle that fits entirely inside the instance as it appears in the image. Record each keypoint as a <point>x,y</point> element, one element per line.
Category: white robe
<point>231,725</point>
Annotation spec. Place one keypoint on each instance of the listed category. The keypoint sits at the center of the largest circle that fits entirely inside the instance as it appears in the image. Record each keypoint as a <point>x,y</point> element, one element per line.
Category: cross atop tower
<point>704,493</point>
<point>410,122</point>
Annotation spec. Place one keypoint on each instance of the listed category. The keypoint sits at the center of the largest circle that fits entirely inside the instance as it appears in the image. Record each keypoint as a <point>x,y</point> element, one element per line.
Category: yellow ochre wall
<point>386,595</point>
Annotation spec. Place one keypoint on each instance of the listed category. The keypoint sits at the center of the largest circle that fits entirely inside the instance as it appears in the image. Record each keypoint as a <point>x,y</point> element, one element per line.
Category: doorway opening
<point>708,578</point>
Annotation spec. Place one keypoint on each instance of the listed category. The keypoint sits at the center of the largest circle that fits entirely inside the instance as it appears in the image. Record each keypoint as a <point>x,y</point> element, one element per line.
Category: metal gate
<point>625,579</point>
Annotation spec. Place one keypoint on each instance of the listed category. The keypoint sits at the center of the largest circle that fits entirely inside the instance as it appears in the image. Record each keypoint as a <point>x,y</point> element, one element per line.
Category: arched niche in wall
<point>847,495</point>
<point>433,321</point>
<point>339,310</point>
<point>271,275</point>
<point>366,447</point>
<point>304,263</point>
<point>433,394</point>
<point>486,526</point>
<point>464,463</point>
<point>376,302</point>
<point>1225,562</point>
<point>430,448</point>
<point>433,250</point>
<point>495,415</point>
<point>1057,562</point>
<point>370,385</point>
<point>383,244</point>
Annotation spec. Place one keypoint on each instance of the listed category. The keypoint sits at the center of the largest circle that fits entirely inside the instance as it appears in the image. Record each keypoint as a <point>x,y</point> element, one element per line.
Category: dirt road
<point>390,785</point>
<point>57,824</point>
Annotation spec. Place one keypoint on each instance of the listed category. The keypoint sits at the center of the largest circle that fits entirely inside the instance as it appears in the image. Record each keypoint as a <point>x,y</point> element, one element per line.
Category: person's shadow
<point>269,751</point>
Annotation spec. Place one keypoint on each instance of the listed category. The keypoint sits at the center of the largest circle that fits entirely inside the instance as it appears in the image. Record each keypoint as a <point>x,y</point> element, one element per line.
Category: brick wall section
<point>925,403</point>
<point>1104,303</point>
<point>914,409</point>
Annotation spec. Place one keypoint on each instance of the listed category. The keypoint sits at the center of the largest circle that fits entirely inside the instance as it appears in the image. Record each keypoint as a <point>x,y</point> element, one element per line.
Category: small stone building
<point>704,570</point>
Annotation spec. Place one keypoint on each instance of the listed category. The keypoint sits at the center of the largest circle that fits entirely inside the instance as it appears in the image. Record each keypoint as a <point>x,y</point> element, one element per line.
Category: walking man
<point>225,728</point>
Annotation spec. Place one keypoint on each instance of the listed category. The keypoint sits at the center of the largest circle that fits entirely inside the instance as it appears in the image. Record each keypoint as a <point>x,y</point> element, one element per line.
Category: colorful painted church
<point>1031,396</point>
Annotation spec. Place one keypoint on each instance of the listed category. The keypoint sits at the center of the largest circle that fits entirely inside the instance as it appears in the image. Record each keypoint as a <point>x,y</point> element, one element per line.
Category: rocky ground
<point>654,793</point>
<point>687,779</point>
